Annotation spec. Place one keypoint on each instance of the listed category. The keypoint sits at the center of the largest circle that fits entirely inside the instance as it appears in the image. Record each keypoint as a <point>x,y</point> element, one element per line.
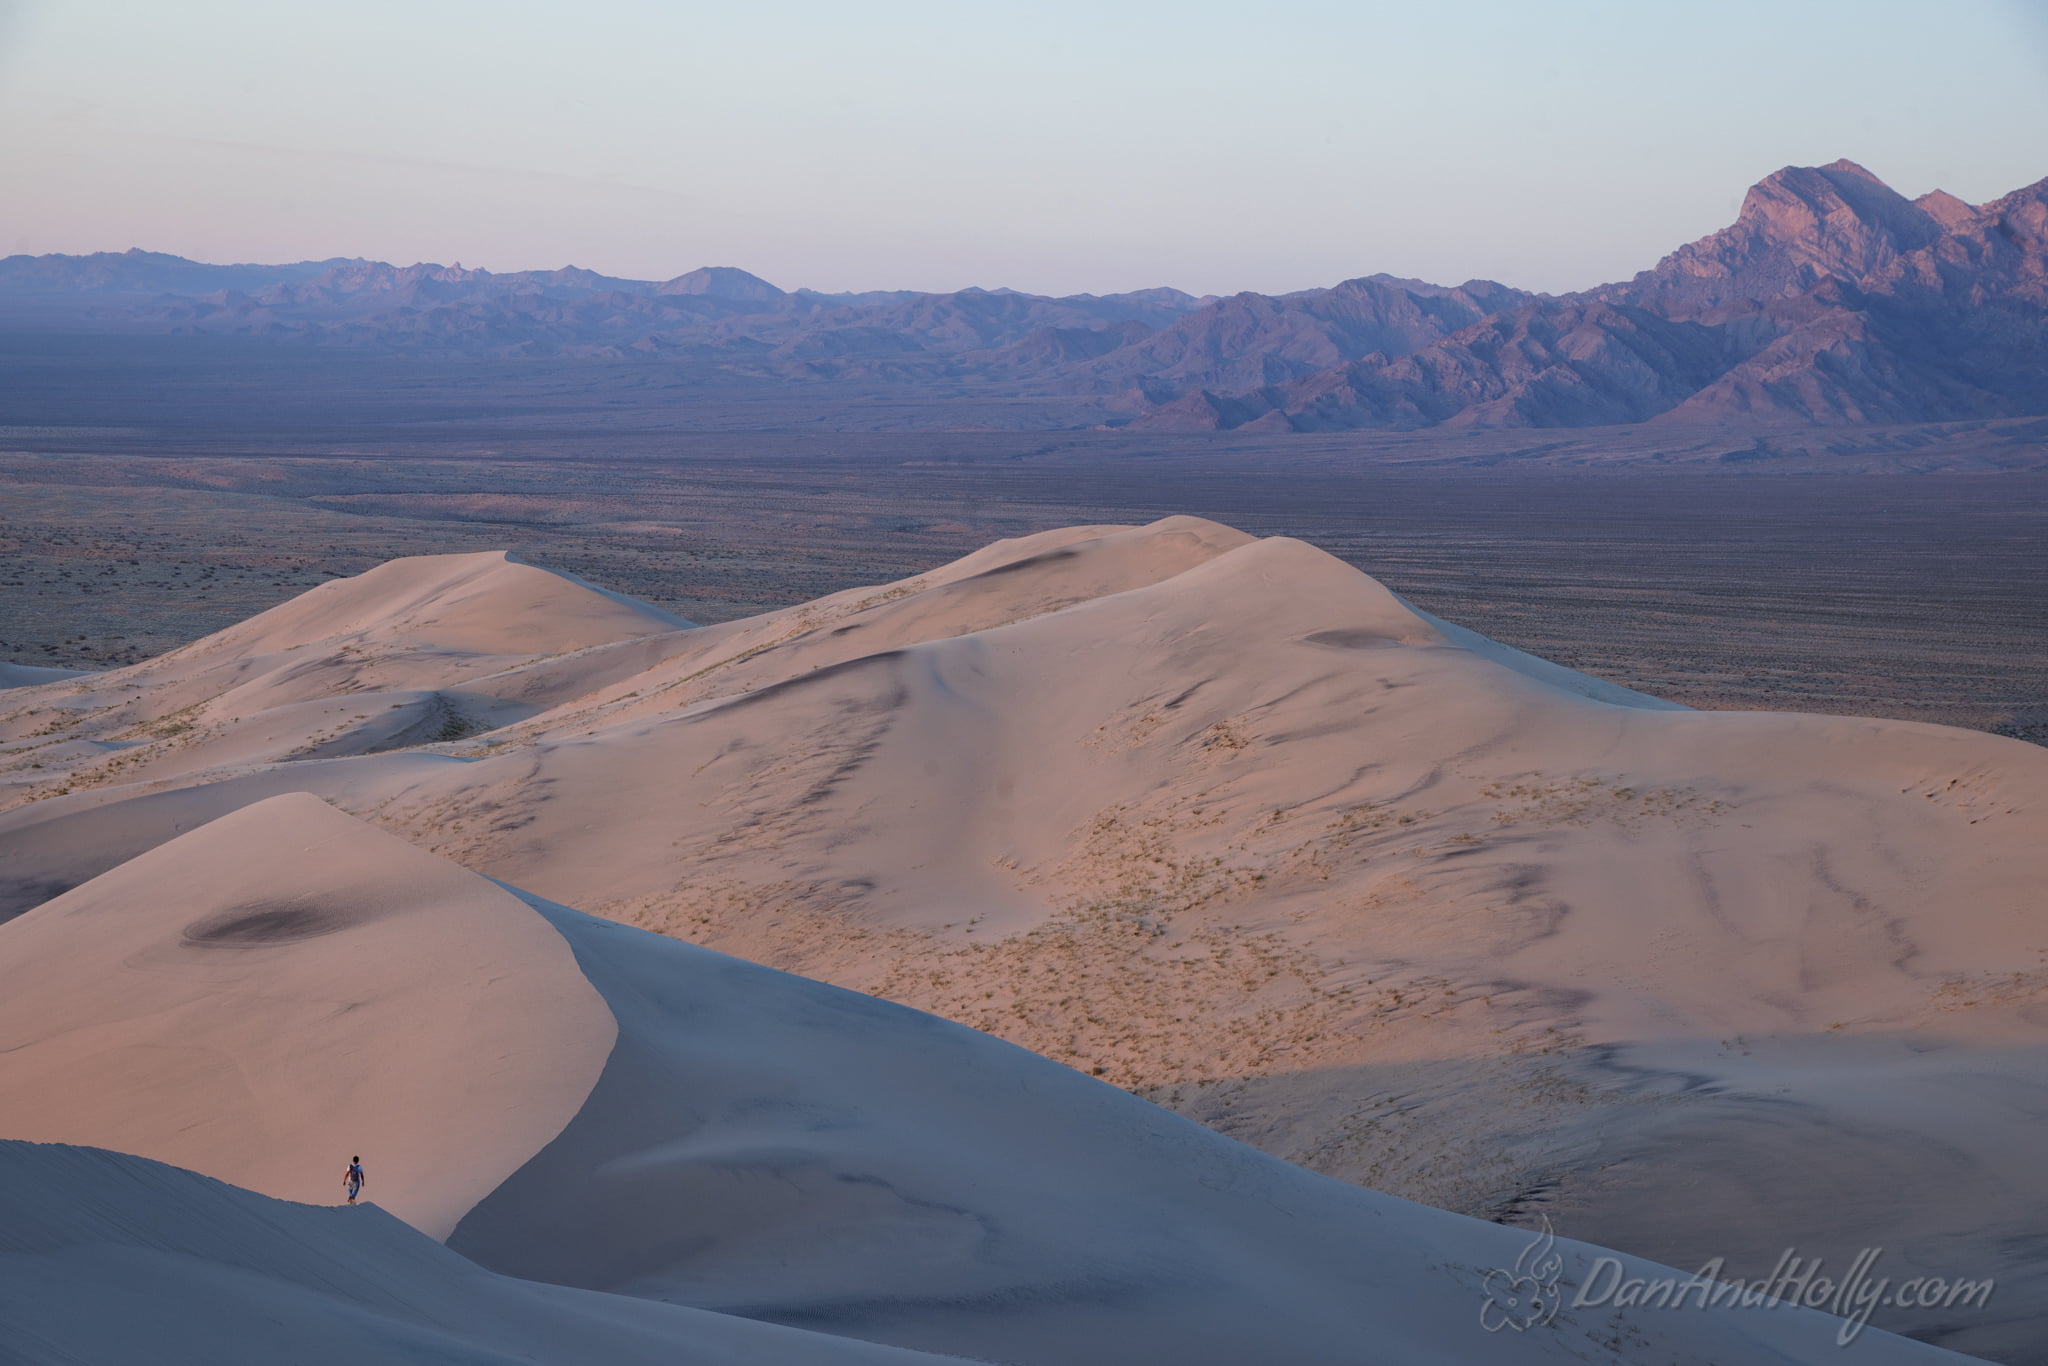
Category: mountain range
<point>1832,299</point>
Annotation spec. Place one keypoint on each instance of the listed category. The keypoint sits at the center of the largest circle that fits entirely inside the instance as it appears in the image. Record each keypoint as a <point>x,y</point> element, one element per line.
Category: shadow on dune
<point>1737,1150</point>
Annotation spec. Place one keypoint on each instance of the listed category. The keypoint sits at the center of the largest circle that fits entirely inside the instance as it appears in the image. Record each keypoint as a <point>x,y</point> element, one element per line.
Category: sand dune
<point>1227,823</point>
<point>394,657</point>
<point>269,995</point>
<point>769,1148</point>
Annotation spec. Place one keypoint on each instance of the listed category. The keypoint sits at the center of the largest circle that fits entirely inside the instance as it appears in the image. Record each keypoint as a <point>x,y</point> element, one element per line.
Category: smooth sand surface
<point>1227,821</point>
<point>113,1260</point>
<point>759,1150</point>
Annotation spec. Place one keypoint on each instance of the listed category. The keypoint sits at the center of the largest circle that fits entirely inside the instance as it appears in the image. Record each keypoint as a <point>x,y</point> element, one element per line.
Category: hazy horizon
<point>1057,149</point>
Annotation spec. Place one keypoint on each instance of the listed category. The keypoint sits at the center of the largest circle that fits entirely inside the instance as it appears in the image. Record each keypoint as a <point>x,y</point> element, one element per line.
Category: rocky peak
<point>1840,201</point>
<point>1951,213</point>
<point>2022,216</point>
<point>1798,227</point>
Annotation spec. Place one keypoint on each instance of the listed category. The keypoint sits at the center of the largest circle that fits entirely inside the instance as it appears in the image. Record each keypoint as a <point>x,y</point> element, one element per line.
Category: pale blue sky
<point>1053,146</point>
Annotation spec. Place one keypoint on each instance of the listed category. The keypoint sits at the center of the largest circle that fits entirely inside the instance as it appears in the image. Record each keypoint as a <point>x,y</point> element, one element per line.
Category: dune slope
<point>118,1261</point>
